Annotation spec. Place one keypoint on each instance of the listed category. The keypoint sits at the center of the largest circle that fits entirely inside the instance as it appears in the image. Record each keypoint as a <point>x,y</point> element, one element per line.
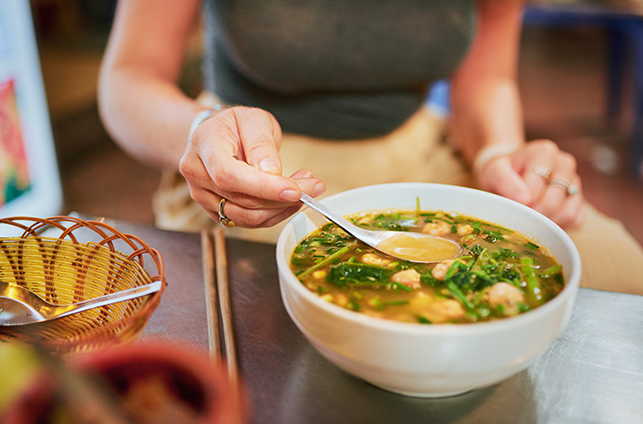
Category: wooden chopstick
<point>212,309</point>
<point>223,287</point>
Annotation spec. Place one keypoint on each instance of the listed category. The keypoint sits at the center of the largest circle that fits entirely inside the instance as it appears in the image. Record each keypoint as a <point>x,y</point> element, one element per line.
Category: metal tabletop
<point>593,373</point>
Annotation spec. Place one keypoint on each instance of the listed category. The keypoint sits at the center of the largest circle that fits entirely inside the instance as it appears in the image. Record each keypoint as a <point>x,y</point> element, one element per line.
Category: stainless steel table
<point>592,374</point>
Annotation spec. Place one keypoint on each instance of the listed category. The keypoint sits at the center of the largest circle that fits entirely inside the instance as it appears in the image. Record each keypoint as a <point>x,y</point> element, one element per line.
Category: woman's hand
<point>541,176</point>
<point>235,155</point>
<point>486,109</point>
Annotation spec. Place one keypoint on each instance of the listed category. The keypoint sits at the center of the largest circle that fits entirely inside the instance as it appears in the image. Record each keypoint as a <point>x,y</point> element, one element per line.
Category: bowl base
<point>425,395</point>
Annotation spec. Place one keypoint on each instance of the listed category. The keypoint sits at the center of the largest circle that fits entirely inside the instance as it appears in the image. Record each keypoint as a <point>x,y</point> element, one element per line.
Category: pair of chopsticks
<point>217,291</point>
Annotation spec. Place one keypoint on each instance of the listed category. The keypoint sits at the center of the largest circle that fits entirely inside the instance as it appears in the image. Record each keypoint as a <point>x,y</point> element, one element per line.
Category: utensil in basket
<point>65,260</point>
<point>19,306</point>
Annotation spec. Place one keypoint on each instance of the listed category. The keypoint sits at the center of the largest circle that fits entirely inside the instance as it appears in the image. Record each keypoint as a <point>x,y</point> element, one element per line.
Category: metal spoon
<point>413,247</point>
<point>19,306</point>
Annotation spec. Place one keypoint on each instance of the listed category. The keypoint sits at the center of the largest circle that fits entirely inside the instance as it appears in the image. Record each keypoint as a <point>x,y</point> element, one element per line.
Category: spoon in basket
<point>20,306</point>
<point>412,247</point>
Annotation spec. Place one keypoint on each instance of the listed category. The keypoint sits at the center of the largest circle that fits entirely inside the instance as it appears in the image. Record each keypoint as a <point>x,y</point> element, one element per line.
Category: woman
<point>336,88</point>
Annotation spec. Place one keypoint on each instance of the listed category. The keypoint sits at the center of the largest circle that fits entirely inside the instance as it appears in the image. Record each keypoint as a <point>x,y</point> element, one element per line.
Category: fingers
<point>216,159</point>
<point>541,176</point>
<point>501,178</point>
<point>539,156</point>
<point>259,215</point>
<point>234,155</point>
<point>552,177</point>
<point>260,136</point>
<point>562,200</point>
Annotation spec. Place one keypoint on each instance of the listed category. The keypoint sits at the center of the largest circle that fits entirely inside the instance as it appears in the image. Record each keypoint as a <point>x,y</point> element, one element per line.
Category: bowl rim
<point>287,277</point>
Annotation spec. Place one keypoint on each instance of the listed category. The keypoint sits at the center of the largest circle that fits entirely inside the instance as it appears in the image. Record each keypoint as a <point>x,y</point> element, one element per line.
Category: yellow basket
<point>61,269</point>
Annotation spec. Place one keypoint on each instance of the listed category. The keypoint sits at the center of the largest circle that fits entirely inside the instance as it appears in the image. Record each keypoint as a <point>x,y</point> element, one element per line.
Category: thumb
<point>501,178</point>
<point>260,137</point>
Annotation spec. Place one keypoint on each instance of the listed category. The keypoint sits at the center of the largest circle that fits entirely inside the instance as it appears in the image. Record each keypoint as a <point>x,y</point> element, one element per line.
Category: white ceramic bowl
<point>429,360</point>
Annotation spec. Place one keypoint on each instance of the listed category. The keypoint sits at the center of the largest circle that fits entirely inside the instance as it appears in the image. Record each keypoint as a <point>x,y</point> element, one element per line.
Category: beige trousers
<point>416,152</point>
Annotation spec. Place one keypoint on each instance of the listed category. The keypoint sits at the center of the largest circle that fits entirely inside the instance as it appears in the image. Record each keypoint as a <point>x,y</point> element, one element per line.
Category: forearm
<point>486,113</point>
<point>485,99</point>
<point>139,101</point>
<point>146,115</point>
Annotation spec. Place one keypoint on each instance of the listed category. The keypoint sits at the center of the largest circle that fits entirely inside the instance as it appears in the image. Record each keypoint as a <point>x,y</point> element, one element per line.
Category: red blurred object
<point>188,375</point>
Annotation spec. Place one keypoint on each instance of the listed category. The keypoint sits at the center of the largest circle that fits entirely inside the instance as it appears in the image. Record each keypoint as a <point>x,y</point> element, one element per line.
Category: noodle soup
<point>499,274</point>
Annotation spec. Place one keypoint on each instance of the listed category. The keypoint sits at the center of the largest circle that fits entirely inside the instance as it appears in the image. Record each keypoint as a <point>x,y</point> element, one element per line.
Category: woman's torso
<point>337,69</point>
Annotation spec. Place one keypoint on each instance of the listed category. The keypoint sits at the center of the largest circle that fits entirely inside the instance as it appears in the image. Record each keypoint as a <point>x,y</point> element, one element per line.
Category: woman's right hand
<point>235,155</point>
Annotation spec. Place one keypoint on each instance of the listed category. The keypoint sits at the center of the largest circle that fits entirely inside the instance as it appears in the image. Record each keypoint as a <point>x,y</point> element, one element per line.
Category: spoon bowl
<point>20,306</point>
<point>412,247</point>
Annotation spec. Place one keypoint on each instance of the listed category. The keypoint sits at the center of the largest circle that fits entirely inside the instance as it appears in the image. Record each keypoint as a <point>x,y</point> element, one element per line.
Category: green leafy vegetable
<point>533,285</point>
<point>326,261</point>
<point>423,320</point>
<point>357,274</point>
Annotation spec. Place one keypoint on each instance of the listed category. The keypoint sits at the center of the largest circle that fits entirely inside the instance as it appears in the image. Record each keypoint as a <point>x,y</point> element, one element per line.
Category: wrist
<point>491,152</point>
<point>200,118</point>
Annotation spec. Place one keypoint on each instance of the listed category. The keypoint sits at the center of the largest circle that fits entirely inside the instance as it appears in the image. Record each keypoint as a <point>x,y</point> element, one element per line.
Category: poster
<point>14,174</point>
<point>29,178</point>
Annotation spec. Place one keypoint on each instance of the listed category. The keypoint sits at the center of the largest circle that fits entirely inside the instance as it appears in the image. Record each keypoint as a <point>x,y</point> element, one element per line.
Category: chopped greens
<point>500,273</point>
<point>356,274</point>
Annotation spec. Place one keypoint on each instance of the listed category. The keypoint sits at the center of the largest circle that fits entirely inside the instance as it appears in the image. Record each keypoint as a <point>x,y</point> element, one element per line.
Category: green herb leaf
<point>357,274</point>
<point>423,320</point>
<point>326,261</point>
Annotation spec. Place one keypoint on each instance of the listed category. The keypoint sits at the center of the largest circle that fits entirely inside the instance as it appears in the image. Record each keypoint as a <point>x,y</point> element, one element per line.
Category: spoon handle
<point>351,229</point>
<point>108,299</point>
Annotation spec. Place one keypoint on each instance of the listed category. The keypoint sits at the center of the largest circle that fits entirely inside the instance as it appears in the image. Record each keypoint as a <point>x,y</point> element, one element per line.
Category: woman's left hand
<point>541,176</point>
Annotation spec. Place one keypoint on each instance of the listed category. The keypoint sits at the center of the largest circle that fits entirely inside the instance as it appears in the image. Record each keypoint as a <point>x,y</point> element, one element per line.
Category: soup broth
<point>499,274</point>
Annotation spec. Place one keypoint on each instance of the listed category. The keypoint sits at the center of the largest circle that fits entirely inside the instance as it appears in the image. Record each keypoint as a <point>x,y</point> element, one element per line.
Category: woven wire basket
<point>63,269</point>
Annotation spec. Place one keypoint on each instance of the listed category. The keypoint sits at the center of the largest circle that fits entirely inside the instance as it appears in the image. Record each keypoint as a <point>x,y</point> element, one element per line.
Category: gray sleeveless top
<point>336,69</point>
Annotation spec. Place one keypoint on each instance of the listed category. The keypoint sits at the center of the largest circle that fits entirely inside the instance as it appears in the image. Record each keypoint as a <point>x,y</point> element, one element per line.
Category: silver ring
<point>543,171</point>
<point>569,188</point>
<point>223,219</point>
